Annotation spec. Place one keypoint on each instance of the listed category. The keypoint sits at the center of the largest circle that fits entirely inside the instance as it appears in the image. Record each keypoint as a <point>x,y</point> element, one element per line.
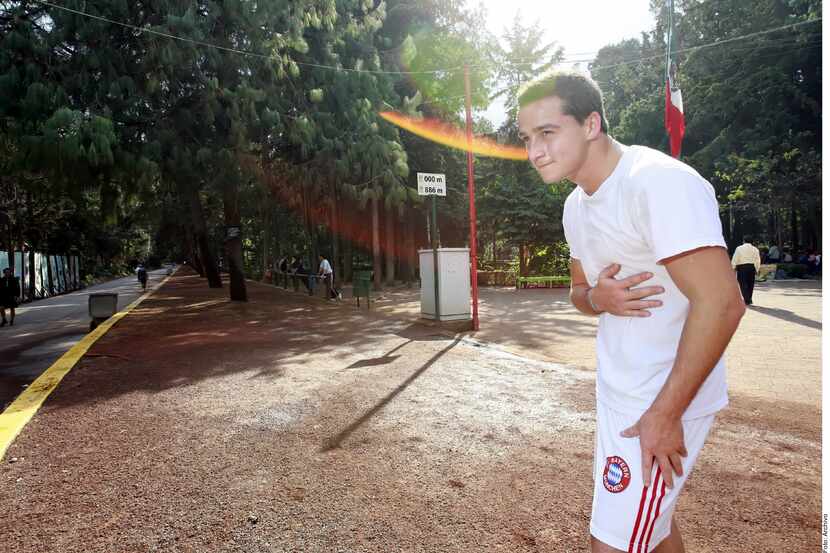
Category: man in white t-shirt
<point>638,216</point>
<point>747,262</point>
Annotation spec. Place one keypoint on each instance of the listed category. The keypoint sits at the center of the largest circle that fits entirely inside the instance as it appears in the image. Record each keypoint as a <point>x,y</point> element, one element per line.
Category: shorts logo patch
<point>616,475</point>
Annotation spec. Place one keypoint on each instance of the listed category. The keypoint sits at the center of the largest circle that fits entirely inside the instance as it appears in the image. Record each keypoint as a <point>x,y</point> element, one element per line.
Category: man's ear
<point>593,126</point>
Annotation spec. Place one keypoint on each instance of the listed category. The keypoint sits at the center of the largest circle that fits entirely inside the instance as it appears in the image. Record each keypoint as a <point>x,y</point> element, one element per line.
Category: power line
<point>684,50</point>
<point>431,72</point>
<point>236,50</point>
<point>716,43</point>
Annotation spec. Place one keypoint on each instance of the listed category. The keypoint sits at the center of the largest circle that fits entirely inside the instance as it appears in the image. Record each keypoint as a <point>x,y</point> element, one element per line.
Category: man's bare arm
<point>611,295</point>
<point>579,289</point>
<point>706,278</point>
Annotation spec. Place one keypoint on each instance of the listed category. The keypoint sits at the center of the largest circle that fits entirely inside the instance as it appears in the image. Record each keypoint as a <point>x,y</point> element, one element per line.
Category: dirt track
<point>287,424</point>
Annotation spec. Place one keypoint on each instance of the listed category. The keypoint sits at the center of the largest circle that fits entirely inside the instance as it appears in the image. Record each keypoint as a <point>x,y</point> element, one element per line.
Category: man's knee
<point>602,547</point>
<point>673,543</point>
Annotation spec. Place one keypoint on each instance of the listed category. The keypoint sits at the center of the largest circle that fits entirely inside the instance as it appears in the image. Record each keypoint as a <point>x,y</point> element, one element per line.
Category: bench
<point>542,282</point>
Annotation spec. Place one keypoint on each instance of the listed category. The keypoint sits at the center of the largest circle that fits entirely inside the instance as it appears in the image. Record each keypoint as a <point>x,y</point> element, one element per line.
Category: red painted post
<point>471,187</point>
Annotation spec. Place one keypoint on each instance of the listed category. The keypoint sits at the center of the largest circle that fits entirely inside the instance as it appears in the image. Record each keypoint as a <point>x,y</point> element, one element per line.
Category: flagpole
<point>471,188</point>
<point>670,5</point>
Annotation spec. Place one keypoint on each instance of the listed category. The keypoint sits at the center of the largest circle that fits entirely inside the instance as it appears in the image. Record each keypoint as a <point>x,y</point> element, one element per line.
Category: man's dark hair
<point>748,238</point>
<point>579,93</point>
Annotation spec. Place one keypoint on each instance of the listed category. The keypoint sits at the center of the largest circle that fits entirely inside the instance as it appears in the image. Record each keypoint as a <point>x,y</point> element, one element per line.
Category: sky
<point>582,27</point>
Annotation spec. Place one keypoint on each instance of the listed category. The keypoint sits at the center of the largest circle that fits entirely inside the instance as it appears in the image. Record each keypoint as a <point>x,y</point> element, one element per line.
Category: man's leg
<point>743,282</point>
<point>11,317</point>
<point>626,515</point>
<point>3,315</point>
<point>672,544</point>
<point>599,547</point>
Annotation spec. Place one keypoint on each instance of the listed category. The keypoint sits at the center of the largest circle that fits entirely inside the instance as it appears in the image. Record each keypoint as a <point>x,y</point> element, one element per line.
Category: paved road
<point>45,329</point>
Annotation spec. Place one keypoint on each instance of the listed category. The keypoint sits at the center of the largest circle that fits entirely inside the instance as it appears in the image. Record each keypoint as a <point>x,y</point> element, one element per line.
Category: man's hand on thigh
<point>661,440</point>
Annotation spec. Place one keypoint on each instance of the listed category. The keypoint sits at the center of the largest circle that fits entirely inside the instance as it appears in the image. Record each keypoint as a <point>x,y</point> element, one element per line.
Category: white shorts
<point>625,514</point>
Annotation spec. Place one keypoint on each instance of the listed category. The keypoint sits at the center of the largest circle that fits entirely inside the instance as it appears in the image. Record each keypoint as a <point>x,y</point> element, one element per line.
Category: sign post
<point>471,187</point>
<point>433,184</point>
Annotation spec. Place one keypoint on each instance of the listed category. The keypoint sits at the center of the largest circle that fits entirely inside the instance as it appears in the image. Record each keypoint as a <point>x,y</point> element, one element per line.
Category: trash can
<point>361,286</point>
<point>102,306</point>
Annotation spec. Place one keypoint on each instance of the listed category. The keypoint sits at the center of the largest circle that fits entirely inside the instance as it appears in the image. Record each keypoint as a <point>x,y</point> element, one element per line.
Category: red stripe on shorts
<point>653,489</point>
<point>637,524</point>
<point>656,513</point>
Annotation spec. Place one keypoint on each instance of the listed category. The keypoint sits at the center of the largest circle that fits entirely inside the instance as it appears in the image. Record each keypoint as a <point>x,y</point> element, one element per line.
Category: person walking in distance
<point>327,275</point>
<point>9,292</point>
<point>141,272</point>
<point>648,257</point>
<point>747,262</point>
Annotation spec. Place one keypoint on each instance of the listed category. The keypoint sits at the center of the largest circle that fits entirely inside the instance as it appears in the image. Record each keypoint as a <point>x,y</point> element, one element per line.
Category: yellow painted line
<point>22,409</point>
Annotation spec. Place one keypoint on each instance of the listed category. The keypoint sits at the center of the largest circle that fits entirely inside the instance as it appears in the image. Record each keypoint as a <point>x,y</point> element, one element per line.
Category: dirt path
<point>287,424</point>
<point>775,353</point>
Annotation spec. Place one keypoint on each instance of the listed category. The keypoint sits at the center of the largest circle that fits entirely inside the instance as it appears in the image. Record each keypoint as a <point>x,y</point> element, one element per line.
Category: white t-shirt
<point>650,208</point>
<point>745,254</point>
<point>325,267</point>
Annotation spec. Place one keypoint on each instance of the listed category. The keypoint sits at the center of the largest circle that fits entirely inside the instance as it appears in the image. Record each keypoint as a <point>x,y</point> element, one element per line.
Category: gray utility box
<point>102,306</point>
<point>453,284</point>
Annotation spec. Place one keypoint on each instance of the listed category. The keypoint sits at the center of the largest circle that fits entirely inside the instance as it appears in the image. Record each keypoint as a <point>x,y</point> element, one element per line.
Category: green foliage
<point>793,270</point>
<point>515,208</point>
<point>752,106</point>
<point>553,259</point>
<point>107,133</point>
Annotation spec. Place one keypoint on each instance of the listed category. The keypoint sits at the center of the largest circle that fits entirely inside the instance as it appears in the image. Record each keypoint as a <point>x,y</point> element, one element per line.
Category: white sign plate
<point>432,184</point>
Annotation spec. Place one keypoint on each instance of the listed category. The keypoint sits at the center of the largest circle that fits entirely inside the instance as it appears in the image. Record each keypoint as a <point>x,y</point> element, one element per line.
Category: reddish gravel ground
<point>289,424</point>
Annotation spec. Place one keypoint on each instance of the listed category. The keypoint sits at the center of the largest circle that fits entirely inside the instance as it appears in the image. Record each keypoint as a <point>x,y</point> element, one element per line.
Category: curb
<point>26,405</point>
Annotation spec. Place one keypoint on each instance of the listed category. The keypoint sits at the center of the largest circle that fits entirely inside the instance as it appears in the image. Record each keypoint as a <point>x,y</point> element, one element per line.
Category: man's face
<point>557,144</point>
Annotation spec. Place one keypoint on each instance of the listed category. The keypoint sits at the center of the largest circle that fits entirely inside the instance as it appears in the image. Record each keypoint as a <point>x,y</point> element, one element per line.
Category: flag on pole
<point>675,122</point>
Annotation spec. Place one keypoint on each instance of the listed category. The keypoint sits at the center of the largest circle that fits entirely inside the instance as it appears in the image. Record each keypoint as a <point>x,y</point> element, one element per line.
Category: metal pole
<point>433,239</point>
<point>471,187</point>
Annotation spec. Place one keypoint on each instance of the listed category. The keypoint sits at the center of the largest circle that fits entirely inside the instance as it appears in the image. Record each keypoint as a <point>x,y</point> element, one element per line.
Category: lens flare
<point>442,133</point>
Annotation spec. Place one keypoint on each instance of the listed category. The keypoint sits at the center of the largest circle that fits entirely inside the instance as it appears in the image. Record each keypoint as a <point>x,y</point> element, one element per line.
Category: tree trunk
<point>200,233</point>
<point>233,240</point>
<point>348,241</point>
<point>390,246</point>
<point>522,260</point>
<point>376,262</point>
<point>50,283</point>
<point>310,231</point>
<point>196,259</point>
<point>266,242</point>
<point>794,230</point>
<point>190,251</point>
<point>336,232</point>
<point>32,289</point>
<point>779,234</point>
<point>411,254</point>
<point>817,218</point>
<point>276,242</point>
<point>495,252</point>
